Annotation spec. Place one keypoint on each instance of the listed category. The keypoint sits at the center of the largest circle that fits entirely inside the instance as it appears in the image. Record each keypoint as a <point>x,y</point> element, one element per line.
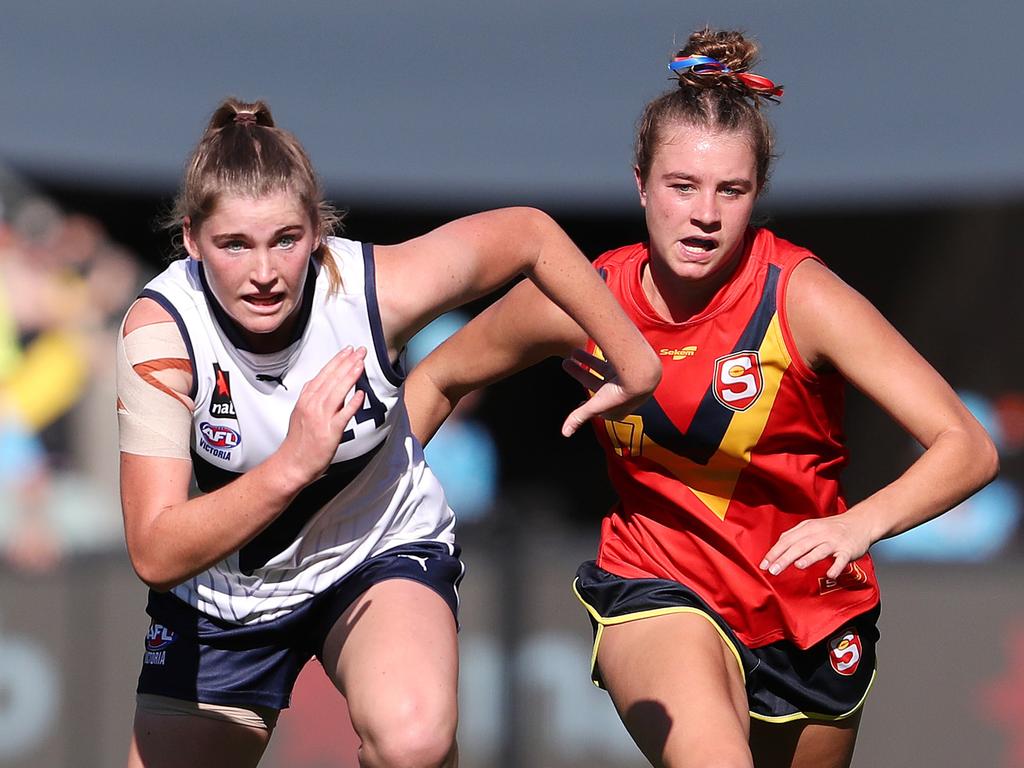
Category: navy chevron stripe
<point>711,420</point>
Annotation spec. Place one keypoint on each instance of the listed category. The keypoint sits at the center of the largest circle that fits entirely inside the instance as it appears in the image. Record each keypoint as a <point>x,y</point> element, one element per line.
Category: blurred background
<point>901,166</point>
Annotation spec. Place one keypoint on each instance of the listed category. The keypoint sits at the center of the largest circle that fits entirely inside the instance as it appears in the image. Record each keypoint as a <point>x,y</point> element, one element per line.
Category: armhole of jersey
<point>393,372</point>
<point>798,362</point>
<point>163,301</point>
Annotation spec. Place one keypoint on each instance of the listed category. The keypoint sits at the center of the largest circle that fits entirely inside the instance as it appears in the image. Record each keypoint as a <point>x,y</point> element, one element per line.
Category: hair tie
<point>245,118</point>
<point>698,64</point>
<point>702,65</point>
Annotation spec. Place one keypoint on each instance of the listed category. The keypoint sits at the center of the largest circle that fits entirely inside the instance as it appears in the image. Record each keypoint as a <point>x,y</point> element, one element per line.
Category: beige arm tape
<point>154,416</point>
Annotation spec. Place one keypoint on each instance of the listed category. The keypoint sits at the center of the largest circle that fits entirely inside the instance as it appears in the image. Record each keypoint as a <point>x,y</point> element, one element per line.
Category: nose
<point>264,270</point>
<point>705,212</point>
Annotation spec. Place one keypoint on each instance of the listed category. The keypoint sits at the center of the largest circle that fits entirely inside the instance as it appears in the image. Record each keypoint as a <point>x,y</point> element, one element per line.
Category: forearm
<point>427,405</point>
<point>575,286</point>
<point>175,542</point>
<point>958,463</point>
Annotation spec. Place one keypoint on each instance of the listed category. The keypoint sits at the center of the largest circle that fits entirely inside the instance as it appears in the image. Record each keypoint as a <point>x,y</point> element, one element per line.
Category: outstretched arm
<point>470,257</point>
<point>517,331</point>
<point>834,325</point>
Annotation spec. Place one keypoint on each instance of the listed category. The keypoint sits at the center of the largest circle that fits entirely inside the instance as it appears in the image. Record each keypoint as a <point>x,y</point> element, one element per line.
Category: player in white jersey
<point>268,364</point>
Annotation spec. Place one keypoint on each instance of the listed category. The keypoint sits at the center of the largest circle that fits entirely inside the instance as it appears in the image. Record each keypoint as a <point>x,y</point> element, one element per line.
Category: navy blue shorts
<point>194,657</point>
<point>828,681</point>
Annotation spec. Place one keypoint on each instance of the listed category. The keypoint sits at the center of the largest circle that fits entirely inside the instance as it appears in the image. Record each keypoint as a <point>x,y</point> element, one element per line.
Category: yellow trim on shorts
<point>815,715</point>
<point>603,622</point>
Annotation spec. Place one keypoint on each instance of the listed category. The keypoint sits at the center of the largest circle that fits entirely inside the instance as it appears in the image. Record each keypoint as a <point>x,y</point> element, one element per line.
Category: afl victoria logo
<point>738,381</point>
<point>158,637</point>
<point>844,651</point>
<point>219,436</point>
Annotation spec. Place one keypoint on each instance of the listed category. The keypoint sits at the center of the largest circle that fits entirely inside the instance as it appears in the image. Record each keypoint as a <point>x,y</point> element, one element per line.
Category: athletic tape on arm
<point>154,416</point>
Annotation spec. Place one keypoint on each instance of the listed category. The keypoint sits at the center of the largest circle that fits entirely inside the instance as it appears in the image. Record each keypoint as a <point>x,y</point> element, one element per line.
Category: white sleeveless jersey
<point>378,492</point>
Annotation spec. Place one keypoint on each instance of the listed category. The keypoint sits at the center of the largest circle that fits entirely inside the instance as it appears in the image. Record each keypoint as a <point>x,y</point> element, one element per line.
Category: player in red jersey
<point>733,599</point>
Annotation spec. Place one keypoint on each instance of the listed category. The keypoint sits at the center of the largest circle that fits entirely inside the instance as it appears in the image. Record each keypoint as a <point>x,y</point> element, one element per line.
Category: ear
<point>188,240</point>
<point>640,186</point>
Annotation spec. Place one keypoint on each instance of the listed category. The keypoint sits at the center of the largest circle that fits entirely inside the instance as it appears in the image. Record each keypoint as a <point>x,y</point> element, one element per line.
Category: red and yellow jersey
<point>740,442</point>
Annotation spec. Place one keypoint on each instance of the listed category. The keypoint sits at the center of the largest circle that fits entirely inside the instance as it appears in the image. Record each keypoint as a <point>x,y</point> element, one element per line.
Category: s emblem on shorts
<point>158,639</point>
<point>844,651</point>
<point>738,381</point>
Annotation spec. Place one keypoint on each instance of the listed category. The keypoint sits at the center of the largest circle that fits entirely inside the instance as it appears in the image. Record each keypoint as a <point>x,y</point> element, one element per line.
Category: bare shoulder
<point>822,310</point>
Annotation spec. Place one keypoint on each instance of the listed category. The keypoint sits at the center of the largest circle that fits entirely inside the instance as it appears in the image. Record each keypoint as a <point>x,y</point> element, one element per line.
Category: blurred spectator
<point>983,526</point>
<point>462,454</point>
<point>62,287</point>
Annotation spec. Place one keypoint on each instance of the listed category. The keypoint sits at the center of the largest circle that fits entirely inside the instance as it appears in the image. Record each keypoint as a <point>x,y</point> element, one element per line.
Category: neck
<point>678,299</point>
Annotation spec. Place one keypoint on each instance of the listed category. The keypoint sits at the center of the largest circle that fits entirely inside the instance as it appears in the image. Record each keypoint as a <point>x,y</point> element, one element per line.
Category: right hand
<point>609,398</point>
<point>321,414</point>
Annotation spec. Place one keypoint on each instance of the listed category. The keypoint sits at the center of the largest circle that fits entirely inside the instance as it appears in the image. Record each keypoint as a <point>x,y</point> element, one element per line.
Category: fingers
<point>609,401</point>
<point>582,358</point>
<point>584,376</point>
<point>810,542</point>
<point>575,420</point>
<point>838,566</point>
<point>335,379</point>
<point>592,372</point>
<point>348,410</point>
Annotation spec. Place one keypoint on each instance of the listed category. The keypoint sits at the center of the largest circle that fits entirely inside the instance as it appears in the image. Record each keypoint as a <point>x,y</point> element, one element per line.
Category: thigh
<point>805,743</point>
<point>192,741</point>
<point>678,688</point>
<point>394,656</point>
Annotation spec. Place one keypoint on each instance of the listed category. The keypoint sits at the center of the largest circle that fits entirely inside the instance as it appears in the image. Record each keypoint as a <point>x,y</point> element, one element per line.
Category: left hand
<point>842,537</point>
<point>609,399</point>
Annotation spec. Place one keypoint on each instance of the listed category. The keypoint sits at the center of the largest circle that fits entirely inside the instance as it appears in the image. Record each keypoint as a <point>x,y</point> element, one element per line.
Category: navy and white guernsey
<point>378,492</point>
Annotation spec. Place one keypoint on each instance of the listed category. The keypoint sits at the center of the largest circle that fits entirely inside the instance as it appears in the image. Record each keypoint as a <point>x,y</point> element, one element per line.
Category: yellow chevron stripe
<point>715,483</point>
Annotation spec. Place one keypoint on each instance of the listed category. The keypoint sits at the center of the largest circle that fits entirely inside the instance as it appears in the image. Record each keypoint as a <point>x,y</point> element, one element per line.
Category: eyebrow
<point>684,176</point>
<point>244,235</point>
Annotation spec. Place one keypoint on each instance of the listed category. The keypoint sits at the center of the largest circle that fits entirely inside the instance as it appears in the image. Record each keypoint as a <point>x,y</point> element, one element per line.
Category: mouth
<point>264,300</point>
<point>698,246</point>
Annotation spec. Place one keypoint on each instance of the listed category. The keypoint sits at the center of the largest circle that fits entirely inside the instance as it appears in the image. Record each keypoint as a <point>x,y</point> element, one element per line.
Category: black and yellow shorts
<point>828,681</point>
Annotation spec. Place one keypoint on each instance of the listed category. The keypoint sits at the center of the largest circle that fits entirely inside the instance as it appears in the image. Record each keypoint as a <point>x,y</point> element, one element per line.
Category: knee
<point>410,739</point>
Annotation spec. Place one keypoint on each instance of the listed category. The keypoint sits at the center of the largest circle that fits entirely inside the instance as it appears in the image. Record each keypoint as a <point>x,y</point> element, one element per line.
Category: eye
<point>733,191</point>
<point>683,187</point>
<point>234,246</point>
<point>287,242</point>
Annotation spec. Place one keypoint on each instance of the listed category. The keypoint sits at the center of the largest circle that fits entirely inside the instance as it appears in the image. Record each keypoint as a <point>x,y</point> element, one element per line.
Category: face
<point>255,253</point>
<point>697,198</point>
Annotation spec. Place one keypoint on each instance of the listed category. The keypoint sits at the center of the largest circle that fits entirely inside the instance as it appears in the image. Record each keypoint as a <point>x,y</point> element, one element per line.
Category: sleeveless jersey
<point>740,442</point>
<point>377,493</point>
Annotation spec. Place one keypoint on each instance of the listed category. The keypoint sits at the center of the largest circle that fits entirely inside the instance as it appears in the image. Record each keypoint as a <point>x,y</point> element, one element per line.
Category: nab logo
<point>221,405</point>
<point>738,381</point>
<point>159,637</point>
<point>218,436</point>
<point>679,354</point>
<point>844,651</point>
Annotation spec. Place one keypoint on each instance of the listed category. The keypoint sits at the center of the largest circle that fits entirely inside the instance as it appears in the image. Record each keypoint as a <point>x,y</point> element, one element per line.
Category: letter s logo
<point>738,381</point>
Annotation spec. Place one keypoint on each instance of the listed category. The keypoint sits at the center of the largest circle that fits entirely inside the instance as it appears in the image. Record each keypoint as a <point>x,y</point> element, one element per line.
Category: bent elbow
<point>654,370</point>
<point>981,456</point>
<point>152,572</point>
<point>988,459</point>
